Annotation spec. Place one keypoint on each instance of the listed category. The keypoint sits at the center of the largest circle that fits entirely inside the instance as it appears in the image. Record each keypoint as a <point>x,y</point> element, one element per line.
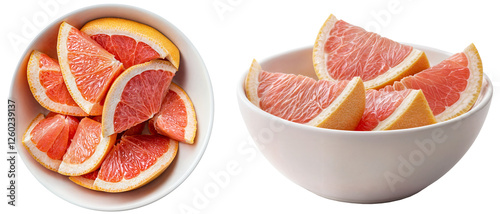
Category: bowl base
<point>366,201</point>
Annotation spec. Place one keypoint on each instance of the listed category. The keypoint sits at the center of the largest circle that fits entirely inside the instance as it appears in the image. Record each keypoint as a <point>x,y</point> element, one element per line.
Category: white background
<point>228,40</point>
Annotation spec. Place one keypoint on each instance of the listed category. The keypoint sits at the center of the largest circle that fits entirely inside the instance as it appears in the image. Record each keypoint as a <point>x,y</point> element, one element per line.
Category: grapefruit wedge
<point>47,139</point>
<point>136,95</point>
<point>452,86</point>
<point>343,51</point>
<point>327,104</point>
<point>176,118</point>
<point>131,42</point>
<point>390,109</point>
<point>135,161</point>
<point>87,150</point>
<point>47,85</point>
<point>88,69</point>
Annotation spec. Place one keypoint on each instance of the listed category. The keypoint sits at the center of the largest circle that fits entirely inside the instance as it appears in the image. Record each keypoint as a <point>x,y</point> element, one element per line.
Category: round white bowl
<point>192,77</point>
<point>360,167</point>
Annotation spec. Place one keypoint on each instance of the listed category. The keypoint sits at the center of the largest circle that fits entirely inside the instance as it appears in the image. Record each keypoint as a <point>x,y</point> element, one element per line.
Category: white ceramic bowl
<point>192,76</point>
<point>360,167</point>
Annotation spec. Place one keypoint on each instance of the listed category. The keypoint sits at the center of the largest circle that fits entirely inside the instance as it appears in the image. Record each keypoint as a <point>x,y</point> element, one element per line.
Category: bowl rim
<point>240,92</point>
<point>210,118</point>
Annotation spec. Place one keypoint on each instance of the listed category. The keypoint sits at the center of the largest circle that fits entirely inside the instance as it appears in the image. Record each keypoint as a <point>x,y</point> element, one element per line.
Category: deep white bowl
<point>192,77</point>
<point>360,167</point>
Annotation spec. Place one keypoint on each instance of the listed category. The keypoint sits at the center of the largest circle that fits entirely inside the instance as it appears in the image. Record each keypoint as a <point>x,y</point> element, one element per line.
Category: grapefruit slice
<point>452,86</point>
<point>47,139</point>
<point>88,69</point>
<point>176,118</point>
<point>136,95</point>
<point>343,51</point>
<point>86,180</point>
<point>47,85</point>
<point>131,42</point>
<point>390,109</point>
<point>135,161</point>
<point>327,104</point>
<point>87,150</point>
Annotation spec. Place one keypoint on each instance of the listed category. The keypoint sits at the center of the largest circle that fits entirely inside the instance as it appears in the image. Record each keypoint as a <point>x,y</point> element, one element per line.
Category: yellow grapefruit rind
<point>415,62</point>
<point>190,129</point>
<point>39,156</point>
<point>140,32</point>
<point>469,96</point>
<point>144,177</point>
<point>84,182</point>
<point>252,83</point>
<point>414,111</point>
<point>62,54</point>
<point>115,91</point>
<point>39,93</point>
<point>344,113</point>
<point>93,162</point>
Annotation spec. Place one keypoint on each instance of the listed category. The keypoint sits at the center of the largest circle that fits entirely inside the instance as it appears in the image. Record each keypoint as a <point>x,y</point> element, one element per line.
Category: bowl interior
<point>299,61</point>
<point>192,77</point>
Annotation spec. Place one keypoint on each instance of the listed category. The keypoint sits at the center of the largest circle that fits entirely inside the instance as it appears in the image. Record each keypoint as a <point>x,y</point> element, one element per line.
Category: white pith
<point>401,109</point>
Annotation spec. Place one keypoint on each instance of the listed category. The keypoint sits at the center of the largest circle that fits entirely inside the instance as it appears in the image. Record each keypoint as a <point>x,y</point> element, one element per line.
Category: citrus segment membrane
<point>47,131</point>
<point>126,49</point>
<point>87,150</point>
<point>47,139</point>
